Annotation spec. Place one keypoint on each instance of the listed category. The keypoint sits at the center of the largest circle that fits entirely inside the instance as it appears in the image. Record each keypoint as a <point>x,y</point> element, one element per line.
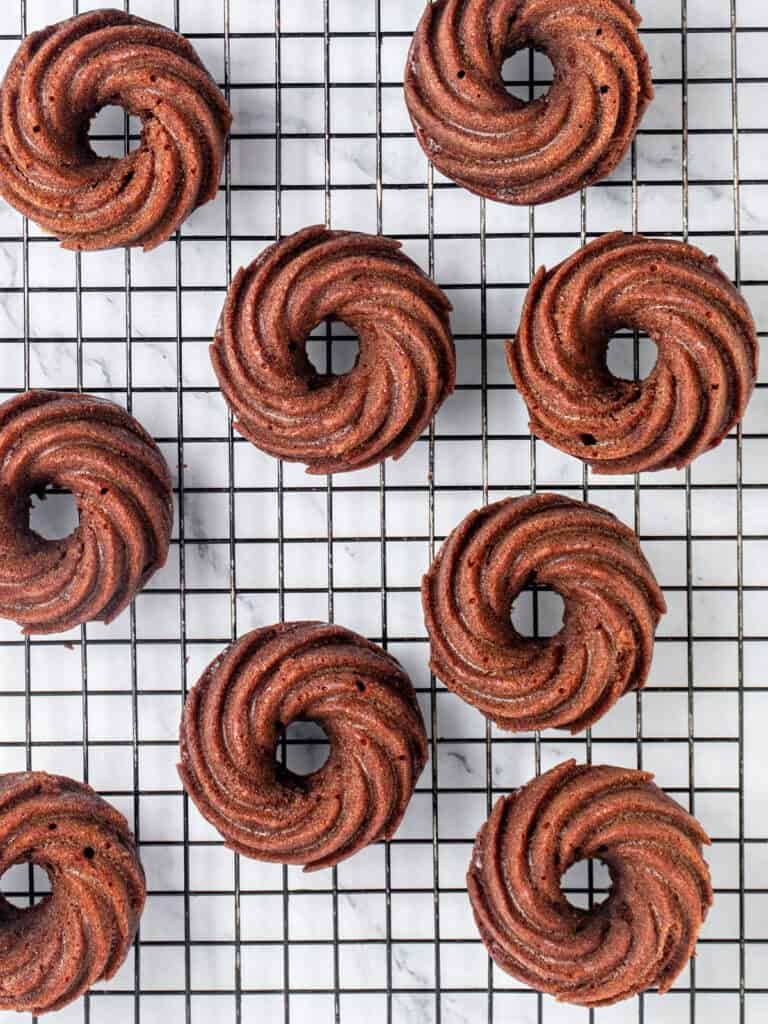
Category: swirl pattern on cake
<point>237,713</point>
<point>404,372</point>
<point>642,935</point>
<point>705,370</point>
<point>119,478</point>
<point>496,145</point>
<point>58,80</point>
<point>612,605</point>
<point>81,932</point>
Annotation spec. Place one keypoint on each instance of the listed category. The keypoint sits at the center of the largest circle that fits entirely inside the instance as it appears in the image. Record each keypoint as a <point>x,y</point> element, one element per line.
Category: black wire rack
<point>387,936</point>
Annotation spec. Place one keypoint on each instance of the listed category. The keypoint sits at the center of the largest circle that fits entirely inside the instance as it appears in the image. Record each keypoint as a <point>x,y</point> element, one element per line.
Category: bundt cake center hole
<point>586,884</point>
<point>527,74</point>
<point>106,132</point>
<point>538,613</point>
<point>333,350</point>
<point>625,362</point>
<point>306,747</point>
<point>53,513</point>
<point>23,888</point>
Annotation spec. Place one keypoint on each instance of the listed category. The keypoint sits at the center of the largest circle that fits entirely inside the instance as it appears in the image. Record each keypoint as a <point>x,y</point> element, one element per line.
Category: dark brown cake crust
<point>81,933</point>
<point>612,607</point>
<point>236,714</point>
<point>703,378</point>
<point>58,80</point>
<point>122,485</point>
<point>642,936</point>
<point>494,144</point>
<point>405,370</point>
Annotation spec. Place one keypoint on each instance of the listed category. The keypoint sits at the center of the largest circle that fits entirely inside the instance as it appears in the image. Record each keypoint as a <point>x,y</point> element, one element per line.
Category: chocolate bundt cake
<point>81,932</point>
<point>122,485</point>
<point>237,713</point>
<point>58,80</point>
<point>494,144</point>
<point>404,372</point>
<point>704,374</point>
<point>612,607</point>
<point>641,936</point>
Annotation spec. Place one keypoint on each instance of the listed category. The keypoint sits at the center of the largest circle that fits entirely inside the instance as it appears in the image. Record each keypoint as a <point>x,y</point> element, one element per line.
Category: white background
<point>705,709</point>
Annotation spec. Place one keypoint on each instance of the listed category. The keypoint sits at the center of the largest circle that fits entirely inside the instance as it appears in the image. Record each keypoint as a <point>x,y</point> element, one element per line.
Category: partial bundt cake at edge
<point>122,485</point>
<point>494,144</point>
<point>57,82</point>
<point>81,932</point>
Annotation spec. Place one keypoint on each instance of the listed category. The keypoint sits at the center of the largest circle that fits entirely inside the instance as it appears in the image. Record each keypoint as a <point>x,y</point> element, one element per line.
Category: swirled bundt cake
<point>104,457</point>
<point>641,936</point>
<point>404,372</point>
<point>704,374</point>
<point>81,932</point>
<point>494,144</point>
<point>612,607</point>
<point>58,80</point>
<point>237,713</point>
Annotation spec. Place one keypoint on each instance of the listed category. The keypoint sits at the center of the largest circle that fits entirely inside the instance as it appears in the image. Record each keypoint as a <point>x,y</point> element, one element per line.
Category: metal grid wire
<point>387,936</point>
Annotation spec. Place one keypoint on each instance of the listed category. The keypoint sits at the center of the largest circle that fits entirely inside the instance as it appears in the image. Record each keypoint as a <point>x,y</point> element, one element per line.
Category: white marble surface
<point>164,351</point>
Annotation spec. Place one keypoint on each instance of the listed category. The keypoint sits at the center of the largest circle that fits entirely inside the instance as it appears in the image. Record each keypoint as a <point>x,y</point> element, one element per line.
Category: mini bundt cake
<point>704,374</point>
<point>119,478</point>
<point>81,932</point>
<point>612,607</point>
<point>58,80</point>
<point>404,372</point>
<point>237,713</point>
<point>494,144</point>
<point>641,936</point>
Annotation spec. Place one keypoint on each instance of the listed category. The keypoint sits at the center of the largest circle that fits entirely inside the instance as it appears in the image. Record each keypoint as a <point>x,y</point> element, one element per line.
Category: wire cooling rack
<point>321,134</point>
